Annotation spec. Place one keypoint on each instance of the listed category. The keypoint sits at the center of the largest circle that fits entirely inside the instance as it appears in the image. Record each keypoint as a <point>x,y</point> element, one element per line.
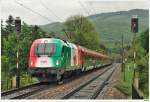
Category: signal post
<point>18,30</point>
<point>134,29</point>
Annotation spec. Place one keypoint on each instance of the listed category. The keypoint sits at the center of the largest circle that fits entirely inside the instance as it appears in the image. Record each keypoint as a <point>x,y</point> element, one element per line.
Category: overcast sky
<point>59,10</point>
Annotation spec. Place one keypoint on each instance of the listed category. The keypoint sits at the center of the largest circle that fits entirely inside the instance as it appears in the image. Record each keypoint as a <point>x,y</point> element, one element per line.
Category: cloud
<point>64,8</point>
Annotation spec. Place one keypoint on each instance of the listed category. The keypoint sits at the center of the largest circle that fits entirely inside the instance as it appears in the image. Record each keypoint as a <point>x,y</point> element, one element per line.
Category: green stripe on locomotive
<point>63,54</point>
<point>66,56</point>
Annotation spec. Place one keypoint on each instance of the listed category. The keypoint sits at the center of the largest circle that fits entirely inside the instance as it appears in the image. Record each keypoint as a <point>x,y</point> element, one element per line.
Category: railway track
<point>91,88</point>
<point>69,83</point>
<point>27,91</point>
<point>23,92</point>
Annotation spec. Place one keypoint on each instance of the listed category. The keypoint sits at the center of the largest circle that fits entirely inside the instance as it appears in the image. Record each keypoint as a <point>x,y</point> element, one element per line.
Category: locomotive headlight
<point>31,63</point>
<point>57,62</point>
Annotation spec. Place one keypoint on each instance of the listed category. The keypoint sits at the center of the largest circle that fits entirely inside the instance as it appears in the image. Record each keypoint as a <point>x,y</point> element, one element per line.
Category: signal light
<point>18,24</point>
<point>134,24</point>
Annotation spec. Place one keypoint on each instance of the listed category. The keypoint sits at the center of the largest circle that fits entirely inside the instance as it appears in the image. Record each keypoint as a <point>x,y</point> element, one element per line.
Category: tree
<point>142,62</point>
<point>81,31</point>
<point>2,36</point>
<point>5,65</point>
<point>27,36</point>
<point>6,30</point>
<point>10,46</point>
<point>10,27</point>
<point>144,39</point>
<point>103,48</point>
<point>10,50</point>
<point>52,34</point>
<point>142,57</point>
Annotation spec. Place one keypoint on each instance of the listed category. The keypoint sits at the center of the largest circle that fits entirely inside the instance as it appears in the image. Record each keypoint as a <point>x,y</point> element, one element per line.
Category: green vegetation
<point>9,51</point>
<point>126,86</point>
<point>110,27</point>
<point>53,27</point>
<point>142,49</point>
<point>142,62</point>
<point>81,31</point>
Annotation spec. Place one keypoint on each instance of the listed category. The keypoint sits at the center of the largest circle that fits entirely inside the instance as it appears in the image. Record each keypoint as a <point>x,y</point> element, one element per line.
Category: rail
<point>92,88</point>
<point>23,91</point>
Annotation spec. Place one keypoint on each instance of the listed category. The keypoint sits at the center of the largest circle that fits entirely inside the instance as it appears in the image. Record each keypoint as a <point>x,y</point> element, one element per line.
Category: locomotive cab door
<point>64,56</point>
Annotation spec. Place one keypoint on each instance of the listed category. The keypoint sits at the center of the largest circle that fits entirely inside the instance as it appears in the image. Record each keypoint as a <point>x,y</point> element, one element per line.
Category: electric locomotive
<point>51,59</point>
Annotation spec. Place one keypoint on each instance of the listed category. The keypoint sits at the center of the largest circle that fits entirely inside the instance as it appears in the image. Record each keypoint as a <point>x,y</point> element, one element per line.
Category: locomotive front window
<point>45,49</point>
<point>50,49</point>
<point>39,49</point>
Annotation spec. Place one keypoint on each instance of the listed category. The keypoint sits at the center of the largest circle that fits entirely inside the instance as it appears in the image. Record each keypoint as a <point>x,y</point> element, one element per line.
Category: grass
<point>125,86</point>
<point>25,79</point>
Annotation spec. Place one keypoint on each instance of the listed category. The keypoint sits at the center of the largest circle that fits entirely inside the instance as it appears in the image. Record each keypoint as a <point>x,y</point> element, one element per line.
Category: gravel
<point>60,90</point>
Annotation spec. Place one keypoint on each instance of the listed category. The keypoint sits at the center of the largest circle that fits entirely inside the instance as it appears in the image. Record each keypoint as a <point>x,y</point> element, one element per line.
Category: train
<point>52,59</point>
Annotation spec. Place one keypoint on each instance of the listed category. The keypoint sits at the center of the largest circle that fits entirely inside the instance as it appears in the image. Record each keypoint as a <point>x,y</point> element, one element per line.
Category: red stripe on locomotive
<point>33,57</point>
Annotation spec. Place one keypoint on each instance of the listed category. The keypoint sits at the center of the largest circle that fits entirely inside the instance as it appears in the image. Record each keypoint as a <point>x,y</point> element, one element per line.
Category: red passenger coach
<point>87,56</point>
<point>80,55</point>
<point>94,54</point>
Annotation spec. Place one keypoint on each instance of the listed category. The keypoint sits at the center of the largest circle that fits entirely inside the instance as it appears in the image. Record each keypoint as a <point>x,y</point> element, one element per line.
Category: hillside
<point>110,26</point>
<point>53,27</point>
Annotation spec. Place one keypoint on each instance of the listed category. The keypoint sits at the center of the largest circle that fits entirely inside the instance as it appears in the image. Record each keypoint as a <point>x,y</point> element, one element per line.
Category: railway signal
<point>134,29</point>
<point>18,30</point>
<point>18,25</point>
<point>134,24</point>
